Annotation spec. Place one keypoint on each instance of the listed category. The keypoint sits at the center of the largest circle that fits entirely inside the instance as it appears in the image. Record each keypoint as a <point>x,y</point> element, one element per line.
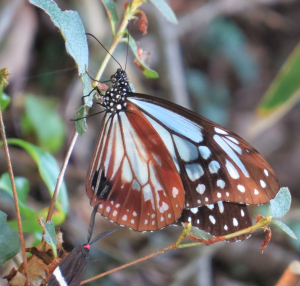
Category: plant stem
<point>260,224</point>
<point>129,15</point>
<point>61,175</point>
<point>11,175</point>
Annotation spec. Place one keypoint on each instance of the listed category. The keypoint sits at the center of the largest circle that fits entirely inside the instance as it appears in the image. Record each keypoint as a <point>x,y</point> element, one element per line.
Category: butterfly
<point>71,269</point>
<point>156,163</point>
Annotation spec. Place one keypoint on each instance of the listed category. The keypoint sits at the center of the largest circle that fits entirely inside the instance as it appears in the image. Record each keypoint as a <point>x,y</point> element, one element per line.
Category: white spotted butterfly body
<point>156,163</point>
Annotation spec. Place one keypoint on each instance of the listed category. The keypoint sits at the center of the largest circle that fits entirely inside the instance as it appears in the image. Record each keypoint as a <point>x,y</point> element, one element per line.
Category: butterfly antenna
<point>88,34</point>
<point>88,116</point>
<point>92,223</point>
<point>102,235</point>
<point>95,79</point>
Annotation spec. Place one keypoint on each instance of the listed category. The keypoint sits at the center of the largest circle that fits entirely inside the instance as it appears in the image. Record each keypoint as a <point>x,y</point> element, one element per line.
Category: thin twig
<point>177,245</point>
<point>61,175</point>
<point>11,175</point>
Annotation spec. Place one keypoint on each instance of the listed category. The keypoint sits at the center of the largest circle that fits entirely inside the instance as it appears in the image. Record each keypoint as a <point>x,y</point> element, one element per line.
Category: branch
<point>262,222</point>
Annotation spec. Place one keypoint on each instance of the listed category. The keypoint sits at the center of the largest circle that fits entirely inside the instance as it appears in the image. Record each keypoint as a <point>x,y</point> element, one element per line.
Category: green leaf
<point>30,222</point>
<point>80,122</point>
<point>72,29</point>
<point>281,204</point>
<point>4,101</point>
<point>284,227</point>
<point>9,240</point>
<point>48,169</point>
<point>40,112</point>
<point>165,9</point>
<point>50,235</point>
<point>22,188</point>
<point>112,13</point>
<point>200,233</point>
<point>88,90</point>
<point>281,96</point>
<point>149,73</point>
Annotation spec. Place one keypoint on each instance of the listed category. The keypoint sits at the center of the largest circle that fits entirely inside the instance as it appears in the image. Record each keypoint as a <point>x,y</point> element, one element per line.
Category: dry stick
<point>61,175</point>
<point>11,175</point>
<point>260,224</point>
<point>291,276</point>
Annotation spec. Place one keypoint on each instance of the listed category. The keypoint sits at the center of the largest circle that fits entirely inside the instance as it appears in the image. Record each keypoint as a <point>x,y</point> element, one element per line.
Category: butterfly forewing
<point>219,219</point>
<point>214,163</point>
<point>132,177</point>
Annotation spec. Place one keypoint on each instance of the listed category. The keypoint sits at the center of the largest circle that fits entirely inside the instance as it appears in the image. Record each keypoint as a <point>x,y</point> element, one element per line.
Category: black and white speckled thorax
<point>115,96</point>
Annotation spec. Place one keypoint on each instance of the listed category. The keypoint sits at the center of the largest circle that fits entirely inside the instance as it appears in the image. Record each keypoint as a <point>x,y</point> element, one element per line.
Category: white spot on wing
<point>213,167</point>
<point>211,206</point>
<point>221,184</point>
<point>234,174</point>
<point>194,171</point>
<point>235,222</point>
<point>242,213</point>
<point>220,131</point>
<point>221,207</point>
<point>124,217</point>
<point>115,213</point>
<point>148,195</point>
<point>200,189</point>
<point>194,210</point>
<point>256,192</point>
<point>108,209</point>
<point>266,172</point>
<point>164,207</point>
<point>219,195</point>
<point>212,219</point>
<point>241,188</point>
<point>204,151</point>
<point>175,192</point>
<point>225,227</point>
<point>263,183</point>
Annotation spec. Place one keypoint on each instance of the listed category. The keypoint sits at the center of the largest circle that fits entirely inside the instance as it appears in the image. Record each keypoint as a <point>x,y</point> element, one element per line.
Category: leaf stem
<point>11,175</point>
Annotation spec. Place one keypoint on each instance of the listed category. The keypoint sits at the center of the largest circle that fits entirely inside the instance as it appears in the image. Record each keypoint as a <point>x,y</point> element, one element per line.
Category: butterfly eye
<point>166,165</point>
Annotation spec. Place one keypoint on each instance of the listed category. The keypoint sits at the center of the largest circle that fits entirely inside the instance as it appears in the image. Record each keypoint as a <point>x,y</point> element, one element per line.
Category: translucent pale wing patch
<point>214,163</point>
<point>132,176</point>
<point>219,219</point>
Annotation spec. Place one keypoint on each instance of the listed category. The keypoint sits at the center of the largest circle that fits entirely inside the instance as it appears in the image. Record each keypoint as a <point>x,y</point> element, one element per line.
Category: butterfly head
<point>115,96</point>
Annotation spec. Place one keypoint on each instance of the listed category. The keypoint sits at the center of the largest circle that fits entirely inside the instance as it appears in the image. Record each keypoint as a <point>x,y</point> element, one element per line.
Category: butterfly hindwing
<point>214,163</point>
<point>214,218</point>
<point>143,189</point>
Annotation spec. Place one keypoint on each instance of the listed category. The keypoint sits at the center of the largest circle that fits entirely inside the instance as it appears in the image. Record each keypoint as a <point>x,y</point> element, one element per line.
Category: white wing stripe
<point>135,150</point>
<point>166,137</point>
<point>231,154</point>
<point>186,127</point>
